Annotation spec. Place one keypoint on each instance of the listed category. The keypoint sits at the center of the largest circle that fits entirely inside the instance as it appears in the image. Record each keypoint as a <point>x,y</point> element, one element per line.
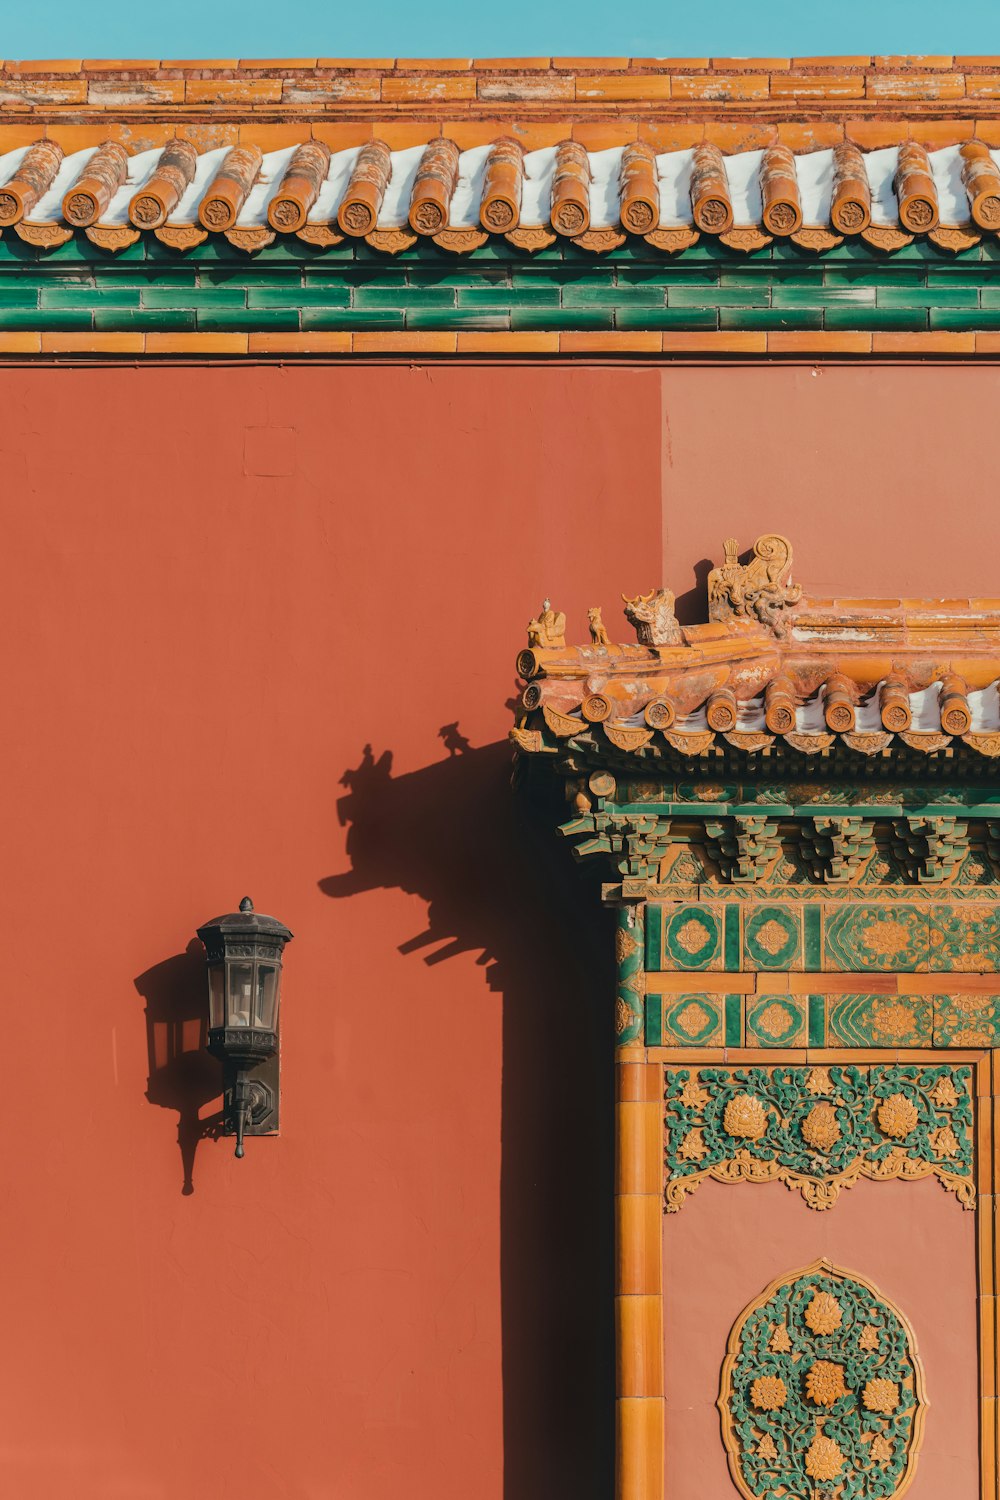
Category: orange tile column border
<point>639,1278</point>
<point>405,344</point>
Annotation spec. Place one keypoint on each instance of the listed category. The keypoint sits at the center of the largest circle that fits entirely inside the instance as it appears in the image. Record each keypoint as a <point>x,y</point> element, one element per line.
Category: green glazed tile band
<point>732,940</point>
<point>817,1021</point>
<point>289,286</point>
<point>813,937</point>
<point>654,938</point>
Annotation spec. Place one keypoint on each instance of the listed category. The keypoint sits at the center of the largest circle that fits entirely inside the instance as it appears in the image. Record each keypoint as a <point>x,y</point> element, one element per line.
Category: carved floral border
<point>818,1129</point>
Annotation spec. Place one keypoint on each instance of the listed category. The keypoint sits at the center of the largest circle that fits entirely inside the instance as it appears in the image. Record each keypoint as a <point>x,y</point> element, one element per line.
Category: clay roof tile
<point>813,197</point>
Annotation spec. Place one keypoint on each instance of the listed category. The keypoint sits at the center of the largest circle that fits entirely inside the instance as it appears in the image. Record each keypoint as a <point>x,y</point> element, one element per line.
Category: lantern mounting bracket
<point>263,1095</point>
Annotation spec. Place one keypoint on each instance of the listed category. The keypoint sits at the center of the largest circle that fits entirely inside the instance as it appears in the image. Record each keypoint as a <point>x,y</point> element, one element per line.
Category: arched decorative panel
<point>822,1391</point>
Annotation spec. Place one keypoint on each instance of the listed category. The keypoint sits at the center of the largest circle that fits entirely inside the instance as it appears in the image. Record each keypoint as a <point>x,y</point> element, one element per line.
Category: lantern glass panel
<point>240,992</point>
<point>266,1000</point>
<point>217,995</point>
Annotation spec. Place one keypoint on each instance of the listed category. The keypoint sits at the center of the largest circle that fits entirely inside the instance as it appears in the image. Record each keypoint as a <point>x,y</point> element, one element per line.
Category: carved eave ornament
<point>787,740</point>
<point>771,672</point>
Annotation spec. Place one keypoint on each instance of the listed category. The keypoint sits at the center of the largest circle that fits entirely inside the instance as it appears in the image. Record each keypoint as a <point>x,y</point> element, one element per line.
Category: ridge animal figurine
<point>653,616</point>
<point>549,630</point>
<point>760,590</point>
<point>598,630</point>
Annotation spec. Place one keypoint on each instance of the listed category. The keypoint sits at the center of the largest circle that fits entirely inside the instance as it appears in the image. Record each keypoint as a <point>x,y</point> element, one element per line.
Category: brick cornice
<point>885,93</point>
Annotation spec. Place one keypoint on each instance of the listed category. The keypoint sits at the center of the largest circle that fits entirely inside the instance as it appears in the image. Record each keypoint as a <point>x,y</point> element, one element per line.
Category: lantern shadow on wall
<point>497,883</point>
<point>182,1076</point>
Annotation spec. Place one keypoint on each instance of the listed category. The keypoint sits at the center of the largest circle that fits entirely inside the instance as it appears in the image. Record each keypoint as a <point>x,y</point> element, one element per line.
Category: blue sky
<point>483,28</point>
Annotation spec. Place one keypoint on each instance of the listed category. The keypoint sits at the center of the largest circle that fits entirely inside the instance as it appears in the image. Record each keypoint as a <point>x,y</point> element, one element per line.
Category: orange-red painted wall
<point>220,586</point>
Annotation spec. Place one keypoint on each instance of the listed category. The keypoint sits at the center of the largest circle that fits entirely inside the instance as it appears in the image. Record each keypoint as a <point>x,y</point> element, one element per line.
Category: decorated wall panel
<point>796,809</point>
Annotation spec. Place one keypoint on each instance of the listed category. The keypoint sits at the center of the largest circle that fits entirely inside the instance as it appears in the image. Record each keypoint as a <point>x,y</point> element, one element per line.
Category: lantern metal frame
<point>249,1053</point>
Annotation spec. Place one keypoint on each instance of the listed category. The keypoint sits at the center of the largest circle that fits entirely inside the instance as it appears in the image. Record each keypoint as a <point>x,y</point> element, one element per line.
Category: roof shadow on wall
<point>182,1076</point>
<point>499,882</point>
<point>689,607</point>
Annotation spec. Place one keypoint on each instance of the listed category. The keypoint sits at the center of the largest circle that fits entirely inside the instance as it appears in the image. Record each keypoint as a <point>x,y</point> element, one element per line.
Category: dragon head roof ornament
<point>759,590</point>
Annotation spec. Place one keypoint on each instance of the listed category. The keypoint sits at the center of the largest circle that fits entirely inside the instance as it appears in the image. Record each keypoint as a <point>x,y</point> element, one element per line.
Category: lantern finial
<point>246,904</point>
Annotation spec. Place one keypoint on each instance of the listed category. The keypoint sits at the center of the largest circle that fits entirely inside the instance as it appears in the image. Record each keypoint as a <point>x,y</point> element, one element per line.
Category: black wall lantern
<point>244,987</point>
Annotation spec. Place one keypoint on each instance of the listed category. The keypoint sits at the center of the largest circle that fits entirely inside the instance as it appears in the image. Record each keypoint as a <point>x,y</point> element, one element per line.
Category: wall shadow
<point>182,1076</point>
<point>499,882</point>
<point>690,606</point>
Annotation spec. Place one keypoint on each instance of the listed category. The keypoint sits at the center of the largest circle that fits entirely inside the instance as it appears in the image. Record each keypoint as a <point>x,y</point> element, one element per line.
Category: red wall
<point>221,584</point>
<point>875,472</point>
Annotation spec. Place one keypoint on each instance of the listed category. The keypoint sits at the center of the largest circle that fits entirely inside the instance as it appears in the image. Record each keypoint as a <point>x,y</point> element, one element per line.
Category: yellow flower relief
<point>881,1395</point>
<point>881,1450</point>
<point>944,1094</point>
<point>897,1116</point>
<point>693,1095</point>
<point>692,1147</point>
<point>944,1142</point>
<point>823,1314</point>
<point>745,1116</point>
<point>824,1459</point>
<point>768,1392</point>
<point>825,1383</point>
<point>820,1128</point>
<point>819,1081</point>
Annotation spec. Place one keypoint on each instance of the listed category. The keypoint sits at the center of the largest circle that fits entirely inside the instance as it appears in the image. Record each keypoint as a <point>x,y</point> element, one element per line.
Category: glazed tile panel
<point>694,1020</point>
<point>777,1021</point>
<point>872,938</point>
<point>879,1020</point>
<point>832,937</point>
<point>839,1020</point>
<point>969,1020</point>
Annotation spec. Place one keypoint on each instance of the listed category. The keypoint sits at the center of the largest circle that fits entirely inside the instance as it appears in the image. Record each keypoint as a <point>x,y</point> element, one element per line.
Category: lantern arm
<point>242,1109</point>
